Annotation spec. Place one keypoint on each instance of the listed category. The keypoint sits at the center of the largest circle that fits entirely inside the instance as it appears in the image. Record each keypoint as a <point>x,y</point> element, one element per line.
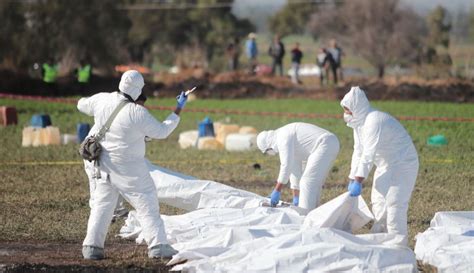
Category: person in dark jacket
<point>277,52</point>
<point>326,64</point>
<point>296,56</point>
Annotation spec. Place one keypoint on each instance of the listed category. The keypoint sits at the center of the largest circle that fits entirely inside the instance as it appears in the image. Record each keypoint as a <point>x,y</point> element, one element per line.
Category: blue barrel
<point>40,120</point>
<point>82,131</point>
<point>206,128</point>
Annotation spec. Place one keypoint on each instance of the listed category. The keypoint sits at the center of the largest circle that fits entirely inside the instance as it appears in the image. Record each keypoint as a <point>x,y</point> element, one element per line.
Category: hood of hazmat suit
<point>294,143</point>
<point>356,101</point>
<point>266,140</point>
<point>132,83</point>
<point>378,137</point>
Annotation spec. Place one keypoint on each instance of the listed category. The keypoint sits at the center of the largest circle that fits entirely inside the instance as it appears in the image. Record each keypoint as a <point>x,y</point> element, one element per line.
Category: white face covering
<point>270,152</point>
<point>349,119</point>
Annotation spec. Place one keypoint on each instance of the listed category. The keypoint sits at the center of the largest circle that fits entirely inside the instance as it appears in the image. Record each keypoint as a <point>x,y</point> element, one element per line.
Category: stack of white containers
<point>232,137</point>
<point>33,136</point>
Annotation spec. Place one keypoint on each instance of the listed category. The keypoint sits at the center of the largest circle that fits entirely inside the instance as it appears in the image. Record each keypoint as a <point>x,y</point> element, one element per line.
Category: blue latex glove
<point>355,188</point>
<point>350,184</point>
<point>296,200</point>
<point>182,99</point>
<point>274,198</point>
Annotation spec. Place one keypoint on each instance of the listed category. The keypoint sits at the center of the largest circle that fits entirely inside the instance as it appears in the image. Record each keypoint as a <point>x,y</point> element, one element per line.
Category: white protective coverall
<point>298,142</point>
<point>123,163</point>
<point>89,168</point>
<point>381,140</point>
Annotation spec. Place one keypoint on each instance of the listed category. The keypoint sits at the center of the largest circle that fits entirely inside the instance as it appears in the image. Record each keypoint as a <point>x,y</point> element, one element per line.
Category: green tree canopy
<point>14,34</point>
<point>106,32</point>
<point>439,26</point>
<point>90,29</point>
<point>382,32</point>
<point>292,18</point>
<point>169,30</point>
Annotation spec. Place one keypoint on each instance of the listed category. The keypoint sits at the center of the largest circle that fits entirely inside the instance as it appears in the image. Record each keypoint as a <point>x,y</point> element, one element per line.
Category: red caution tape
<point>238,112</point>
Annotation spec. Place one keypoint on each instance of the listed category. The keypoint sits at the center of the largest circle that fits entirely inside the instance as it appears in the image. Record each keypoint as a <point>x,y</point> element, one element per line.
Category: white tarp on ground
<point>448,244</point>
<point>188,193</point>
<point>293,250</point>
<point>228,230</point>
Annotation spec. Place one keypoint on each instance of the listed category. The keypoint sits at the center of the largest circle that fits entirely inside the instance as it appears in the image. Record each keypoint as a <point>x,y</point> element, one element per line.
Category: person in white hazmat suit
<point>123,163</point>
<point>380,140</point>
<point>297,143</point>
<point>120,210</point>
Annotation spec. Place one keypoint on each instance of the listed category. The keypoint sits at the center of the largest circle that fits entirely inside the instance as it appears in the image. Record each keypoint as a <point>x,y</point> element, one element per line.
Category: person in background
<point>296,56</point>
<point>296,143</point>
<point>233,54</point>
<point>320,58</point>
<point>326,64</point>
<point>337,54</point>
<point>251,51</point>
<point>380,140</point>
<point>123,166</point>
<point>277,52</point>
<point>50,73</point>
<point>83,73</point>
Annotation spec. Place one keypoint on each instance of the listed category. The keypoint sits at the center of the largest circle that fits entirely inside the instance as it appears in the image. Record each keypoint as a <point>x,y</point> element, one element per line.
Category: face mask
<point>350,121</point>
<point>270,152</point>
<point>348,118</point>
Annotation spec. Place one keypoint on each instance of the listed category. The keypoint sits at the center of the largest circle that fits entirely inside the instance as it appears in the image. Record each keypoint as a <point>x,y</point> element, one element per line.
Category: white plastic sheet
<point>228,230</point>
<point>313,250</point>
<point>343,212</point>
<point>188,193</point>
<point>448,244</point>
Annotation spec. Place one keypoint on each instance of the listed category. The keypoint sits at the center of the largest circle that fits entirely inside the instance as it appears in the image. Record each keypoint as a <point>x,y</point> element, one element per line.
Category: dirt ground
<point>230,85</point>
<point>56,258</point>
<point>64,257</point>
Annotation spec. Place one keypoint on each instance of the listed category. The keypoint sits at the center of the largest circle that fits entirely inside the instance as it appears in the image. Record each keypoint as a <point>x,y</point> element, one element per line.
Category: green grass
<point>49,203</point>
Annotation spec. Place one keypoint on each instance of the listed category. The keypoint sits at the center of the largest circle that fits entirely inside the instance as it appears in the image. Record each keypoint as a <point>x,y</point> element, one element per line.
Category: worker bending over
<point>297,143</point>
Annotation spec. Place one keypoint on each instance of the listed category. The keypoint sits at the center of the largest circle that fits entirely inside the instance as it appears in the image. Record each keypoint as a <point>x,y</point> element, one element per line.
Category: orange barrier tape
<point>239,112</point>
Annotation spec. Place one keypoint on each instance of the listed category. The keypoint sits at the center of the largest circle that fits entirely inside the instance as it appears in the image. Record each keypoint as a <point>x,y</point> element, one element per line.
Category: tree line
<point>105,34</point>
<point>382,32</point>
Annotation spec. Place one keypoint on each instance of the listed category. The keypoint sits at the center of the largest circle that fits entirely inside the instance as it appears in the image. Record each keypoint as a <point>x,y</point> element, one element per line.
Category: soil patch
<point>57,257</point>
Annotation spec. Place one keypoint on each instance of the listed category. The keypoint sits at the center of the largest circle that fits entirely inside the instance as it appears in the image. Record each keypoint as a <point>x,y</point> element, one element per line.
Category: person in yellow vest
<point>50,74</point>
<point>83,72</point>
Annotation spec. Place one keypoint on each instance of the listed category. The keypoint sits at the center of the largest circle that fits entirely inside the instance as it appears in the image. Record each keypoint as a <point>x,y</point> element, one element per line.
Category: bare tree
<point>380,31</point>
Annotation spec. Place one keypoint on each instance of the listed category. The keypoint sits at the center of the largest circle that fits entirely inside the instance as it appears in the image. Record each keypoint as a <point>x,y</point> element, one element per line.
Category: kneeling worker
<point>296,143</point>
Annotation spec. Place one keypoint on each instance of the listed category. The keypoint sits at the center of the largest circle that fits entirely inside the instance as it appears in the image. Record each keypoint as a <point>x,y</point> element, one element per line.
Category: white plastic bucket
<point>68,138</point>
<point>224,130</point>
<point>241,142</point>
<point>188,139</point>
<point>209,143</point>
